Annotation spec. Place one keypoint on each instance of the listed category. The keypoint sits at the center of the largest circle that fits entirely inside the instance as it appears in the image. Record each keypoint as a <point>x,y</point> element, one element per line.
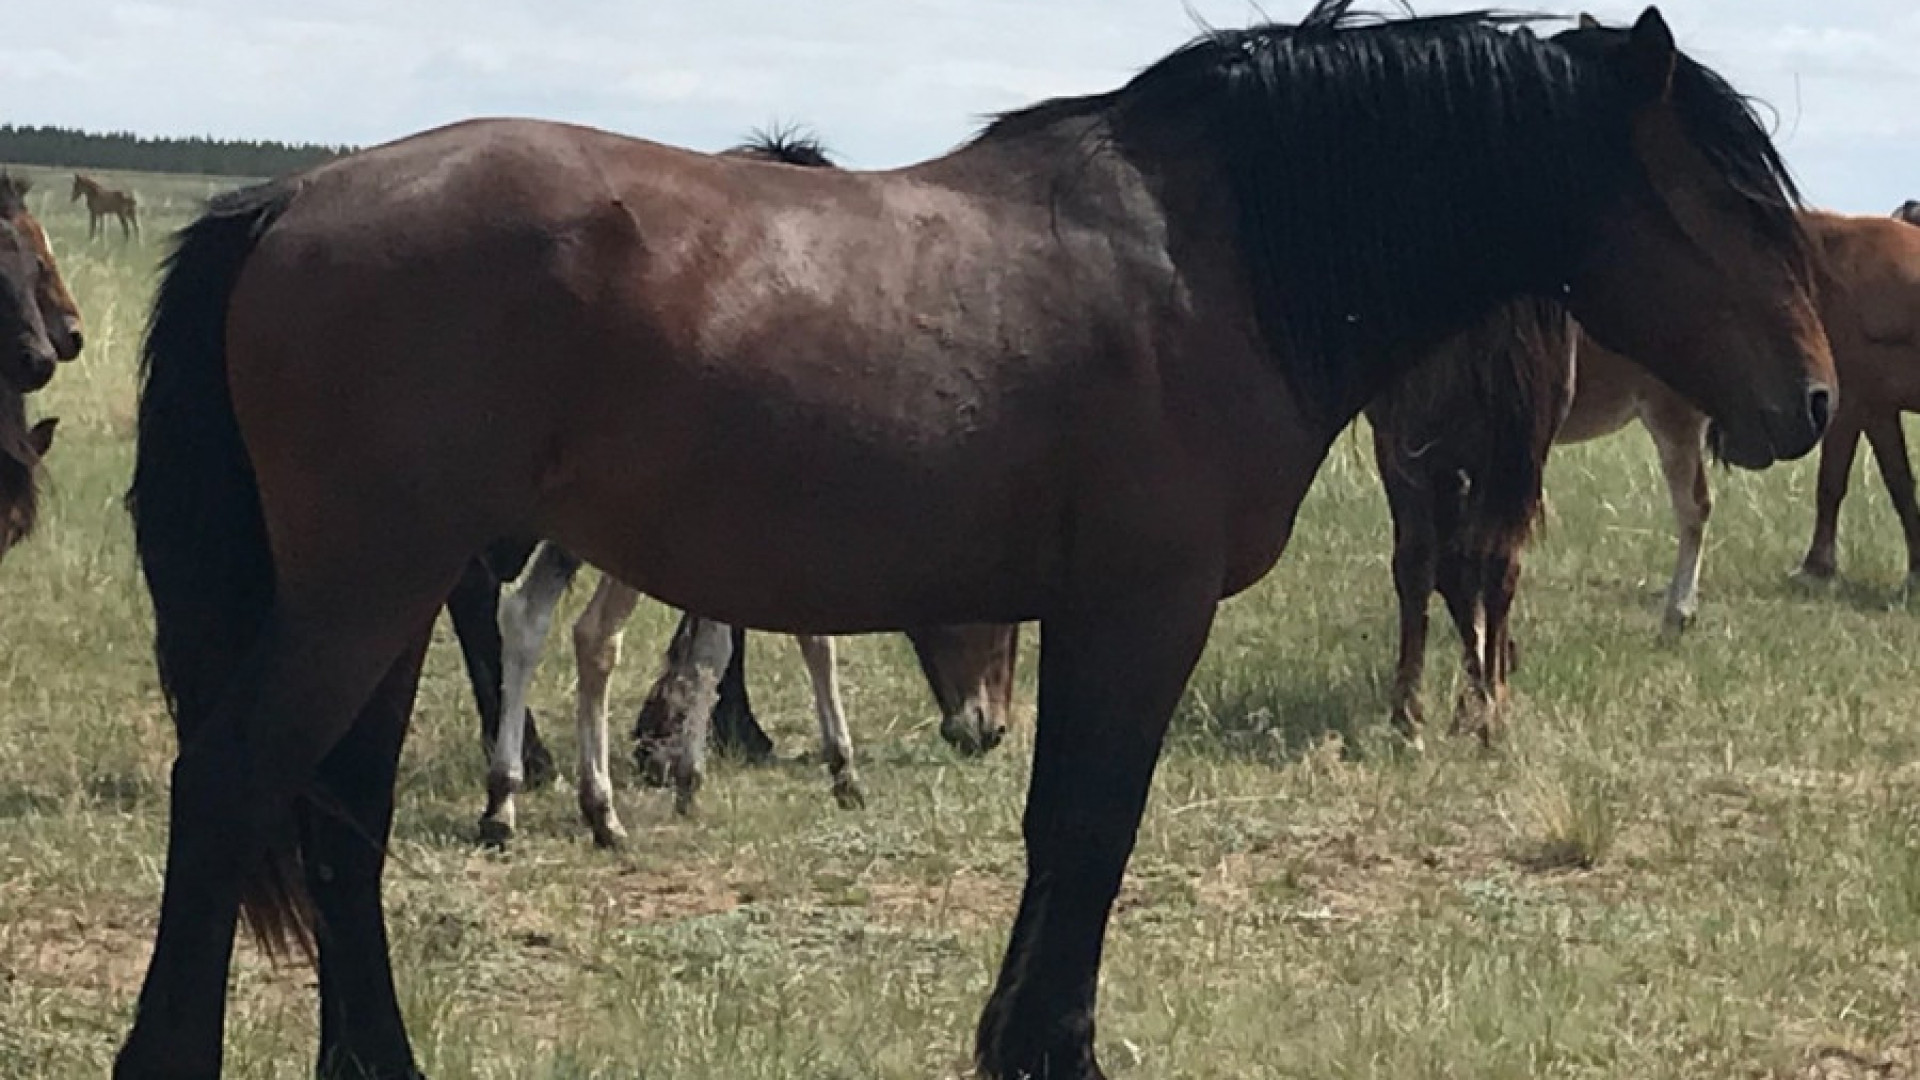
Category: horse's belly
<point>783,535</point>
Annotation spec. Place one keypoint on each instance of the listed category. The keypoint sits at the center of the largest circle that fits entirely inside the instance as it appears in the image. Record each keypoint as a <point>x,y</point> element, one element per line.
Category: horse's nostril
<point>79,341</point>
<point>1820,407</point>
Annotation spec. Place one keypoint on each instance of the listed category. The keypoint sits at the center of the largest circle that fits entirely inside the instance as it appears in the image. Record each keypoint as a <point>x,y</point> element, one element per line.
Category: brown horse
<point>39,322</point>
<point>1870,305</point>
<point>1870,302</point>
<point>1083,369</point>
<point>1464,494</point>
<point>103,201</point>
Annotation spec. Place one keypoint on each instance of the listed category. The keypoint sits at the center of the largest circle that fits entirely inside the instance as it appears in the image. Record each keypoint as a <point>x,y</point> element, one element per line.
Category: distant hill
<point>69,148</point>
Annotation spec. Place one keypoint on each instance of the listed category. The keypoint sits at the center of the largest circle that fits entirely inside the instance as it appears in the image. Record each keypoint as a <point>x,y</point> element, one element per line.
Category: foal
<point>103,201</point>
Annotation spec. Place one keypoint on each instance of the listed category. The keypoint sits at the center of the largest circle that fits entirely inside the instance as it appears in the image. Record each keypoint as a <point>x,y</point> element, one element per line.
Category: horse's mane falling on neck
<point>1500,148</point>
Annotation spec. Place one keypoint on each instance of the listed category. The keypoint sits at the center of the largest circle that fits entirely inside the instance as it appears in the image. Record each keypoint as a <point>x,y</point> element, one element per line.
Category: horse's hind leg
<point>596,650</point>
<point>1415,555</point>
<point>836,745</point>
<point>235,784</point>
<point>474,608</point>
<point>1681,444</point>
<point>735,730</point>
<point>1500,579</point>
<point>343,847</point>
<point>1889,442</point>
<point>1837,448</point>
<point>524,617</point>
<point>1462,585</point>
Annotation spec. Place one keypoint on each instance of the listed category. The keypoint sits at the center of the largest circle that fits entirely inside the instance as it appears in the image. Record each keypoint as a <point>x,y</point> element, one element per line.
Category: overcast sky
<point>885,82</point>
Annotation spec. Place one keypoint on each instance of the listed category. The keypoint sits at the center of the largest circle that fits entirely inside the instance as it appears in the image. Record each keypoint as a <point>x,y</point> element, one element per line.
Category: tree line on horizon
<point>72,148</point>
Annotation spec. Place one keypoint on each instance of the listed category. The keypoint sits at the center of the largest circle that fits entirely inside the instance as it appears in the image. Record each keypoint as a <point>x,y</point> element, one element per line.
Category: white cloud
<point>884,81</point>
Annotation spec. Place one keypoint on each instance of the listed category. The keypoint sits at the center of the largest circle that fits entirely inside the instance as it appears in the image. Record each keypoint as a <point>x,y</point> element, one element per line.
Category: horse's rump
<point>1481,412</point>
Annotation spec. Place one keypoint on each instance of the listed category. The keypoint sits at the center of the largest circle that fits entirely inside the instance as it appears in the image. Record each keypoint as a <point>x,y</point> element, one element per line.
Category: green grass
<point>1692,859</point>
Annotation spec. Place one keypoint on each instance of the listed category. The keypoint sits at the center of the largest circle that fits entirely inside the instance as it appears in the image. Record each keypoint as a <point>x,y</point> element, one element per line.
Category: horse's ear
<point>1588,22</point>
<point>1652,54</point>
<point>41,437</point>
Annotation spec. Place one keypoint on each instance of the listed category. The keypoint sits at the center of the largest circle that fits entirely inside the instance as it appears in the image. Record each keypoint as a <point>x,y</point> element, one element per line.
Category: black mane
<point>1397,177</point>
<point>786,145</point>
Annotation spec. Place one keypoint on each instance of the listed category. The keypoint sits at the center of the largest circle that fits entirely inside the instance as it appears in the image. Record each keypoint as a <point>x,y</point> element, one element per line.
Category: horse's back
<point>511,326</point>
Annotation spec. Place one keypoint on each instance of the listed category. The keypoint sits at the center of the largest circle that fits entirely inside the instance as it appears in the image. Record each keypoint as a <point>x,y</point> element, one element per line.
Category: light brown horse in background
<point>1081,370</point>
<point>1870,303</point>
<point>103,201</point>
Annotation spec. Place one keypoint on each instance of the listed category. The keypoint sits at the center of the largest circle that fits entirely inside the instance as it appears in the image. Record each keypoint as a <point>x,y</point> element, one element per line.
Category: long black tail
<point>197,522</point>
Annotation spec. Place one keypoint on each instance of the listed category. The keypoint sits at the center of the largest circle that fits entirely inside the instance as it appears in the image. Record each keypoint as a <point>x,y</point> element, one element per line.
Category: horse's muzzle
<point>68,339</point>
<point>31,369</point>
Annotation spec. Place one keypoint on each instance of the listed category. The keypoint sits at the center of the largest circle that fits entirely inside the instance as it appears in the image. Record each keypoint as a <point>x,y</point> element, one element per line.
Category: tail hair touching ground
<point>198,528</point>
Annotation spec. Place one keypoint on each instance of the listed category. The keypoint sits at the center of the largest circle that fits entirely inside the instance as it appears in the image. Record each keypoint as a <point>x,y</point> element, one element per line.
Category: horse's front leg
<point>1111,671</point>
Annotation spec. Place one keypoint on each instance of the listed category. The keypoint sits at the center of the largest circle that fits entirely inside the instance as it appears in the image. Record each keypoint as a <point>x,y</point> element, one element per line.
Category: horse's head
<point>1700,269</point>
<point>970,669</point>
<point>1909,212</point>
<point>39,323</point>
<point>79,187</point>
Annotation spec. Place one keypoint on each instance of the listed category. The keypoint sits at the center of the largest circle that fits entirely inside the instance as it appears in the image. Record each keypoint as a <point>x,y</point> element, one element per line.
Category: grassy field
<point>1692,860</point>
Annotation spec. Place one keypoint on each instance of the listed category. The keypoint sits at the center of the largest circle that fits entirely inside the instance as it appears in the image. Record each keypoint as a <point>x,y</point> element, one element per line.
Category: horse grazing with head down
<point>103,202</point>
<point>1083,369</point>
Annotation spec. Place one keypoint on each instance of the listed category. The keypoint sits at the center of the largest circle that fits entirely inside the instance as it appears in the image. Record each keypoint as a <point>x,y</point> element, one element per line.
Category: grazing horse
<point>1083,370</point>
<point>1464,493</point>
<point>102,201</point>
<point>970,669</point>
<point>39,322</point>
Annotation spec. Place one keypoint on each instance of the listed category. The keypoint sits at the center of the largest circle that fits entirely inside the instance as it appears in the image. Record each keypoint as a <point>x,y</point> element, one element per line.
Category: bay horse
<point>1464,496</point>
<point>1081,370</point>
<point>39,322</point>
<point>103,201</point>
